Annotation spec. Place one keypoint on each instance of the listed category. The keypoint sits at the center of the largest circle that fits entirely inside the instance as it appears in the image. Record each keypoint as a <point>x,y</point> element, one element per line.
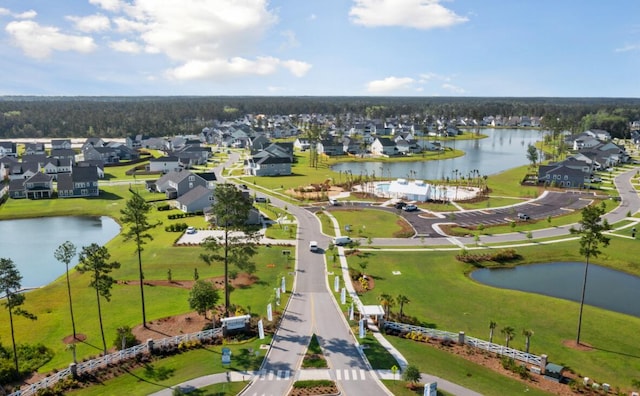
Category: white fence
<point>125,354</point>
<point>471,341</point>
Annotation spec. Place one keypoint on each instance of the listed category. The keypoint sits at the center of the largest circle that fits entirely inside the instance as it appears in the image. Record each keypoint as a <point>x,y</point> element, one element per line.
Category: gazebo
<point>376,312</point>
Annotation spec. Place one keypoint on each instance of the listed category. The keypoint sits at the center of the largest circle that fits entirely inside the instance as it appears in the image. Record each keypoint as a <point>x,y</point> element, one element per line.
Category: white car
<point>191,230</point>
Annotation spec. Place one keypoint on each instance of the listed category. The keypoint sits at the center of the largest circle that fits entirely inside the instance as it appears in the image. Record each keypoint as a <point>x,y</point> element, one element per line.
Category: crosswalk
<point>336,374</point>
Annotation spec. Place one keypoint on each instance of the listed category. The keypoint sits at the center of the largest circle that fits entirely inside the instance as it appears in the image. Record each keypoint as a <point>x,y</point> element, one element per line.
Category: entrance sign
<point>361,328</point>
<point>235,322</point>
<point>269,313</point>
<point>336,284</point>
<point>260,330</point>
<point>431,389</point>
<point>343,296</point>
<point>283,286</point>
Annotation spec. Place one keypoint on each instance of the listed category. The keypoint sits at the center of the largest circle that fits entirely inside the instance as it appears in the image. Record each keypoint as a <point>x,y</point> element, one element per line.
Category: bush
<point>129,339</point>
<point>312,383</point>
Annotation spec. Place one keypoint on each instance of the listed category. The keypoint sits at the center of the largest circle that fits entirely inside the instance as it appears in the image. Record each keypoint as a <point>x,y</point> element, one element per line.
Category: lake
<point>606,288</point>
<point>30,243</point>
<point>503,149</point>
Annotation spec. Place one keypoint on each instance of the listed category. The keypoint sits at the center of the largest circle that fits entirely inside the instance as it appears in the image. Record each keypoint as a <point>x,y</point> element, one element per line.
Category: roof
<point>372,310</point>
<point>194,195</point>
<point>553,368</point>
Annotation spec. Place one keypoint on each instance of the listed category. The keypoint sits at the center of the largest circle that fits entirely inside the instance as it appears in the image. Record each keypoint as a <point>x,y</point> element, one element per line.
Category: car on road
<point>334,202</point>
<point>410,208</point>
<point>244,186</point>
<point>523,216</point>
<point>261,199</point>
<point>313,246</point>
<point>343,240</point>
<point>191,230</point>
<point>400,205</point>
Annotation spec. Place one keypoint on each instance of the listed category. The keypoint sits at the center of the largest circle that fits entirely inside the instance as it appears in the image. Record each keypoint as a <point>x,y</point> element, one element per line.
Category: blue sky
<point>321,47</point>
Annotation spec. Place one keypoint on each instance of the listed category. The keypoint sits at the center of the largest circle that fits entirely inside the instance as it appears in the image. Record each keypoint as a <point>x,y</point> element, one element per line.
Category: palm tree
<point>509,333</point>
<point>65,253</point>
<point>492,326</point>
<point>402,299</point>
<point>527,333</point>
<point>386,301</point>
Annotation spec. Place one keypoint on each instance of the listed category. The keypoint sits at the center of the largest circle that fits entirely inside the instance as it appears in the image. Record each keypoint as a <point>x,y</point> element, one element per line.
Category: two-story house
<point>176,184</point>
<point>384,147</point>
<point>38,186</point>
<point>81,182</point>
<point>8,149</point>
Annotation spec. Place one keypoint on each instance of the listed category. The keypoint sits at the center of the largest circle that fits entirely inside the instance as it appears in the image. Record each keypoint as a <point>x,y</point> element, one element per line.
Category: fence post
<point>74,370</point>
<point>461,338</point>
<point>543,363</point>
<point>150,345</point>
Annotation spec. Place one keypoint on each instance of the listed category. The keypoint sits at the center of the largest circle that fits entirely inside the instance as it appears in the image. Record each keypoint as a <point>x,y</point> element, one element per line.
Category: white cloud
<point>419,14</point>
<point>108,5</point>
<point>5,11</point>
<point>26,15</point>
<point>426,77</point>
<point>127,46</point>
<point>90,23</point>
<point>38,41</point>
<point>453,88</point>
<point>390,84</point>
<point>290,40</point>
<point>234,67</point>
<point>206,41</point>
<point>628,47</point>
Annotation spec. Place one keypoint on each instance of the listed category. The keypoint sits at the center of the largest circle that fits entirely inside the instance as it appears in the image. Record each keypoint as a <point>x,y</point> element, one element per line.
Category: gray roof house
<point>562,176</point>
<point>164,164</point>
<point>60,144</point>
<point>8,149</point>
<point>197,199</point>
<point>384,146</point>
<point>81,182</point>
<point>176,184</point>
<point>34,148</point>
<point>63,153</point>
<point>37,186</point>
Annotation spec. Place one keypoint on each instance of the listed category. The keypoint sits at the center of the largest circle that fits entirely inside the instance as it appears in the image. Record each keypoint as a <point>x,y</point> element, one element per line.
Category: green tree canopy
<point>203,297</point>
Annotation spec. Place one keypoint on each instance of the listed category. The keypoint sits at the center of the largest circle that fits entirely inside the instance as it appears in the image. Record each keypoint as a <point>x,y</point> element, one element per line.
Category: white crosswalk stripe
<point>351,375</point>
<point>278,375</point>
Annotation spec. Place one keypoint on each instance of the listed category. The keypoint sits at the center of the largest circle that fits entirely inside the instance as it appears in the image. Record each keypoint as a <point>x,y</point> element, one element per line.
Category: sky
<point>490,48</point>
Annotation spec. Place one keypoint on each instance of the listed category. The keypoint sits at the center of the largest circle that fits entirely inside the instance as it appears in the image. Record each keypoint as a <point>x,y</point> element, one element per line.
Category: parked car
<point>410,208</point>
<point>400,205</point>
<point>523,216</point>
<point>244,187</point>
<point>191,230</point>
<point>596,179</point>
<point>261,199</point>
<point>313,246</point>
<point>343,240</point>
<point>334,202</point>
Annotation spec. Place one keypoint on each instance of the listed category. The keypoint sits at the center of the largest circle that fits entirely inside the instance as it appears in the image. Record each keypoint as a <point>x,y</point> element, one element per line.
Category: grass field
<point>443,296</point>
<point>371,223</point>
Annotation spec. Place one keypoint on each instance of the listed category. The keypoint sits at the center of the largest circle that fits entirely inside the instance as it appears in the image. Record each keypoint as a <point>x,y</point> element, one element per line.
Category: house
<point>8,149</point>
<point>330,147</point>
<point>164,164</point>
<point>61,144</point>
<point>55,167</point>
<point>259,143</point>
<point>210,178</point>
<point>562,176</point>
<point>98,164</point>
<point>6,164</point>
<point>383,146</point>
<point>37,186</point>
<point>302,144</point>
<point>34,148</point>
<point>268,165</point>
<point>64,153</point>
<point>81,182</point>
<point>600,134</point>
<point>108,155</point>
<point>195,200</point>
<point>176,184</point>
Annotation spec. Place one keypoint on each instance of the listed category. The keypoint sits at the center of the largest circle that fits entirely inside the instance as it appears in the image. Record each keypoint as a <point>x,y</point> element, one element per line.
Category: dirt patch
<point>70,340</point>
<point>315,390</point>
<point>579,347</point>
<point>359,287</point>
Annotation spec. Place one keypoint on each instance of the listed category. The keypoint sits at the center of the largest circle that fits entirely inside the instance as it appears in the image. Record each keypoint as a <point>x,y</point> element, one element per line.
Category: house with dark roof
<point>330,147</point>
<point>274,160</point>
<point>60,144</point>
<point>384,146</point>
<point>64,154</point>
<point>560,175</point>
<point>81,182</point>
<point>97,163</point>
<point>55,167</point>
<point>108,155</point>
<point>38,186</point>
<point>8,149</point>
<point>176,184</point>
<point>34,148</point>
<point>164,164</point>
<point>6,164</point>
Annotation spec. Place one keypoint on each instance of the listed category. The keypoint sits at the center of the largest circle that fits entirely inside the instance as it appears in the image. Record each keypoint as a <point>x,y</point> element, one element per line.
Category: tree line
<point>111,117</point>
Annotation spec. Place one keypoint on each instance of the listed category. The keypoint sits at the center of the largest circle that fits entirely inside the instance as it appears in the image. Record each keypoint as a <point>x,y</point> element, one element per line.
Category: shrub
<point>129,339</point>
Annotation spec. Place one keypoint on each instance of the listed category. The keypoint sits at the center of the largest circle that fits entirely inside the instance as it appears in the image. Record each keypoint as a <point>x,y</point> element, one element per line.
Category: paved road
<point>312,309</point>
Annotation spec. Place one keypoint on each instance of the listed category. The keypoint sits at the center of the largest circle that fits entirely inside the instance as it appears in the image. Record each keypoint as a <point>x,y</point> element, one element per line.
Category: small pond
<point>606,288</point>
<point>30,243</point>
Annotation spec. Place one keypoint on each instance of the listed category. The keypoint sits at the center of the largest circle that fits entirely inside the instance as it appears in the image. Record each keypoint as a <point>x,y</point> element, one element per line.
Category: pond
<point>502,149</point>
<point>31,243</point>
<point>606,288</point>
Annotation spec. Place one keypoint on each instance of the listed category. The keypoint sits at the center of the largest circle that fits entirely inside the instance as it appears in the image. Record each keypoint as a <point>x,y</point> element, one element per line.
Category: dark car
<point>400,205</point>
<point>244,187</point>
<point>410,208</point>
<point>261,199</point>
<point>523,216</point>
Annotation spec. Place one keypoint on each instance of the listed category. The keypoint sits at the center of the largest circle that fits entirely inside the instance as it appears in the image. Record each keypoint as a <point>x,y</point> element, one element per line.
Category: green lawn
<point>371,223</point>
<point>460,371</point>
<point>443,296</point>
<point>182,367</point>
